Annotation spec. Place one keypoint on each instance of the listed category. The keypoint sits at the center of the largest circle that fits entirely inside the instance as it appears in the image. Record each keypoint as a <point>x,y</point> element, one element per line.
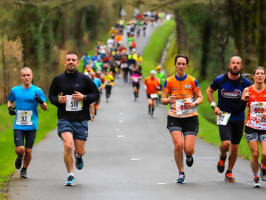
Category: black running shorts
<point>188,125</point>
<point>233,131</point>
<point>28,136</point>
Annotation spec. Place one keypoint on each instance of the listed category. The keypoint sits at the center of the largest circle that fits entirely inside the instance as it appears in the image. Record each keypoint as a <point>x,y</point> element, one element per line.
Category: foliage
<point>154,49</point>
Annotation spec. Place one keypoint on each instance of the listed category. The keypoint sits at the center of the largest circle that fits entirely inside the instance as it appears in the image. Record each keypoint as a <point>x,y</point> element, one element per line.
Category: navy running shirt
<point>229,94</point>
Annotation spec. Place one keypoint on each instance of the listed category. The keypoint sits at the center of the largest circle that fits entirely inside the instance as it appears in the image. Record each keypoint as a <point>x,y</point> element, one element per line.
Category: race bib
<point>73,105</point>
<point>135,79</point>
<point>154,96</point>
<point>223,118</point>
<point>257,108</point>
<point>181,108</point>
<point>124,65</point>
<point>24,117</point>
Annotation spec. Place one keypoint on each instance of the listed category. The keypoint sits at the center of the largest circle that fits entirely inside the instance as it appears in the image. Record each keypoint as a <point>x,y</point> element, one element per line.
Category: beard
<point>71,68</point>
<point>234,73</point>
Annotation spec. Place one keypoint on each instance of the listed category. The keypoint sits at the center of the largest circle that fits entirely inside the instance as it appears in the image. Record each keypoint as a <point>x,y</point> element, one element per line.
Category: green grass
<point>154,49</point>
<point>47,122</point>
<point>208,129</point>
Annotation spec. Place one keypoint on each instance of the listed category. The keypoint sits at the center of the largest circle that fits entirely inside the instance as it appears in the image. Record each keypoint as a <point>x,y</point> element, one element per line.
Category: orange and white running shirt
<point>256,105</point>
<point>184,90</point>
<point>151,84</point>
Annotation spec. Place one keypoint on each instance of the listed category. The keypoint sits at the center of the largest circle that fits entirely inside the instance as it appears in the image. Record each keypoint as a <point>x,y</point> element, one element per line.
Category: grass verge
<point>154,49</point>
<point>47,122</point>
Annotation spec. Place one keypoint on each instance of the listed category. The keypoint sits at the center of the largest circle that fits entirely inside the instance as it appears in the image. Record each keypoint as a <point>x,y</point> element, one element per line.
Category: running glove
<point>38,99</point>
<point>11,110</point>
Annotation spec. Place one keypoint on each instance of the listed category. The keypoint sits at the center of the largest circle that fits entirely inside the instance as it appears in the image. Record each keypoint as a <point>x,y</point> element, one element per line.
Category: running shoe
<point>229,177</point>
<point>220,166</point>
<point>181,178</point>
<point>189,161</point>
<point>78,161</point>
<point>18,162</point>
<point>262,173</point>
<point>70,181</point>
<point>23,173</point>
<point>256,182</point>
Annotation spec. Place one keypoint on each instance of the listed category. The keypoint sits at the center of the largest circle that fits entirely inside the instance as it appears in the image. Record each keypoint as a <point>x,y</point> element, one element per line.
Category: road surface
<point>129,157</point>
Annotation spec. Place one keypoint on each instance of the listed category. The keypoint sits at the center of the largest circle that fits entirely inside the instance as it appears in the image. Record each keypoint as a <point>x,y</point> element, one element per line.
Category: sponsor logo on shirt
<point>231,94</point>
<point>187,86</point>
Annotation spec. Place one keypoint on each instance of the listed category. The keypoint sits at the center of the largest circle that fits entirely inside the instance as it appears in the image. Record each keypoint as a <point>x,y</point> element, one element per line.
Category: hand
<point>38,99</point>
<point>217,111</point>
<point>11,110</point>
<point>172,99</point>
<point>61,98</point>
<point>263,116</point>
<point>246,96</point>
<point>78,96</point>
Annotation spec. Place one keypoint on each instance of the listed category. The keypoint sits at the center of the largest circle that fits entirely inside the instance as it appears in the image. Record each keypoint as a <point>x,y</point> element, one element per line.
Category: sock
<point>189,156</point>
<point>77,155</point>
<point>256,174</point>
<point>223,158</point>
<point>181,173</point>
<point>71,174</point>
<point>149,109</point>
<point>135,94</point>
<point>152,110</point>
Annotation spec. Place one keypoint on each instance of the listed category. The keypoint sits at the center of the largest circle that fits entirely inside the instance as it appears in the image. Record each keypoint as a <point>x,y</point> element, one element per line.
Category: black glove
<point>38,99</point>
<point>11,110</point>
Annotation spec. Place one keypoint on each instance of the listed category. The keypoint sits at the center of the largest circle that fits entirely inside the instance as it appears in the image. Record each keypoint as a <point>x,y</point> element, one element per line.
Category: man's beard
<point>71,70</point>
<point>234,73</point>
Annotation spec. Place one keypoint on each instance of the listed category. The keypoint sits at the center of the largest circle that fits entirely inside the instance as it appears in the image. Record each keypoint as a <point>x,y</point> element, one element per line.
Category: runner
<point>95,105</point>
<point>152,85</point>
<point>255,126</point>
<point>72,92</point>
<point>161,77</point>
<point>230,118</point>
<point>108,83</point>
<point>135,79</point>
<point>183,93</point>
<point>27,97</point>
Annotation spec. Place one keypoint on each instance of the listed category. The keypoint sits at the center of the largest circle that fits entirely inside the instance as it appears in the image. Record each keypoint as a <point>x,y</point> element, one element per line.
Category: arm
<point>210,98</point>
<point>53,94</point>
<point>244,99</point>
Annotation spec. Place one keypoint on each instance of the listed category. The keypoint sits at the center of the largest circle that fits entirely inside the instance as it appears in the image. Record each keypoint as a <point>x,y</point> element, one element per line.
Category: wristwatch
<point>213,104</point>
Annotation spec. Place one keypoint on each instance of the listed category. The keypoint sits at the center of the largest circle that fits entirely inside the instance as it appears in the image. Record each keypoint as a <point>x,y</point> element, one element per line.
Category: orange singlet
<point>256,105</point>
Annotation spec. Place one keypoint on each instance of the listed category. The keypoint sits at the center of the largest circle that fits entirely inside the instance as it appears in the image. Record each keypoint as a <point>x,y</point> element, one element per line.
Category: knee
<point>20,150</point>
<point>255,155</point>
<point>28,151</point>
<point>68,146</point>
<point>189,151</point>
<point>178,147</point>
<point>226,145</point>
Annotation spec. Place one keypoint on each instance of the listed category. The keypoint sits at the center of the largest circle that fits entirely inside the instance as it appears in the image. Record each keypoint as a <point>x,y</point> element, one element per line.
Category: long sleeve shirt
<point>67,84</point>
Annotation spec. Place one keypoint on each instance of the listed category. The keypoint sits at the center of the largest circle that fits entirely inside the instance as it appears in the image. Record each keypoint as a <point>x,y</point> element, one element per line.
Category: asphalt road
<point>129,157</point>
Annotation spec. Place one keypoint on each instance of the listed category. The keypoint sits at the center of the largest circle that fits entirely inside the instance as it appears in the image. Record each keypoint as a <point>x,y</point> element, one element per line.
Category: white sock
<point>71,174</point>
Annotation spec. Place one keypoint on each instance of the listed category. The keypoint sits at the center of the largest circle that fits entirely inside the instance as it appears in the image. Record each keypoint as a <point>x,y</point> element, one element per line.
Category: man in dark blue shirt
<point>230,117</point>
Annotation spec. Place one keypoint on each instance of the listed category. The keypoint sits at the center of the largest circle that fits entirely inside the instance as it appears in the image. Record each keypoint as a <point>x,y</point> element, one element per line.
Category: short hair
<point>72,53</point>
<point>181,56</point>
<point>236,57</point>
<point>256,68</point>
<point>25,68</point>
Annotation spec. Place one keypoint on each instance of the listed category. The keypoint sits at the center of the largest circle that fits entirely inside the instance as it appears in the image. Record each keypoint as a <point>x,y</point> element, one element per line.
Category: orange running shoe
<point>229,177</point>
<point>220,166</point>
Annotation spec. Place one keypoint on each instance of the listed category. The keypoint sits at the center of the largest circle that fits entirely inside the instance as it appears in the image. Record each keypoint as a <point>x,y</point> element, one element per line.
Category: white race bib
<point>135,79</point>
<point>223,118</point>
<point>124,65</point>
<point>257,108</point>
<point>73,105</point>
<point>154,96</point>
<point>24,117</point>
<point>181,108</point>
